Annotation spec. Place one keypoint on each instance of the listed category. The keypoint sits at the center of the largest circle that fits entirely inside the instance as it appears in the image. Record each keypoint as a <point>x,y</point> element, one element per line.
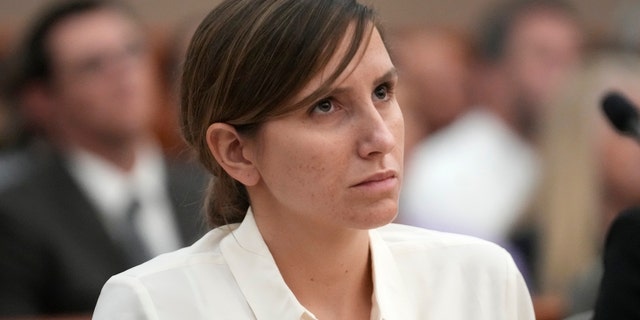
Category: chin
<point>376,216</point>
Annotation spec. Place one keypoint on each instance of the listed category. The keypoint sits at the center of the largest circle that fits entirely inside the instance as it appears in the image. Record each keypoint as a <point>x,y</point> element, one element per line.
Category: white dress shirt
<point>475,177</point>
<point>111,190</point>
<point>230,274</point>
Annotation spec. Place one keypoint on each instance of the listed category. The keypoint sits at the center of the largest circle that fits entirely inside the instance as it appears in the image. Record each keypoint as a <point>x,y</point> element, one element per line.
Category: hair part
<point>247,61</point>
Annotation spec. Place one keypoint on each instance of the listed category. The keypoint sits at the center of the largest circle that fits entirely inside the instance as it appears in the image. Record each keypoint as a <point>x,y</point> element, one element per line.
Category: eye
<point>135,48</point>
<point>381,92</point>
<point>92,65</point>
<point>323,106</point>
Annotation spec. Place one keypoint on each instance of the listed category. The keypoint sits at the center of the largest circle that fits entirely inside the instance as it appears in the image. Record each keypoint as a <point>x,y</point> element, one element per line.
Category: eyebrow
<point>388,76</point>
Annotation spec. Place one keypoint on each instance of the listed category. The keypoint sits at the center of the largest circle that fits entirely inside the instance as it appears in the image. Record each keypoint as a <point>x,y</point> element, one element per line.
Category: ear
<point>227,146</point>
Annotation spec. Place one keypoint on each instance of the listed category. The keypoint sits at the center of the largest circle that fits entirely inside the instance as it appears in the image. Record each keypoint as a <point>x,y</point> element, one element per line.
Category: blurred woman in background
<point>591,174</point>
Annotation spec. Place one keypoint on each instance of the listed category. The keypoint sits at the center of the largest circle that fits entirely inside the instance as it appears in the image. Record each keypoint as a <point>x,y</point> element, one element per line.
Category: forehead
<point>372,58</point>
<point>544,19</point>
<point>90,32</point>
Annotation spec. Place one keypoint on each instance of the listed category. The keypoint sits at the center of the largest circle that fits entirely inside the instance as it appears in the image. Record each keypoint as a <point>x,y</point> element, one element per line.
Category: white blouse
<point>230,274</point>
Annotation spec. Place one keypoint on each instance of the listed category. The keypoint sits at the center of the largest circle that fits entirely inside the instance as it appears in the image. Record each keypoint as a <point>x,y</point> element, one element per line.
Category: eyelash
<point>387,86</point>
<point>316,106</point>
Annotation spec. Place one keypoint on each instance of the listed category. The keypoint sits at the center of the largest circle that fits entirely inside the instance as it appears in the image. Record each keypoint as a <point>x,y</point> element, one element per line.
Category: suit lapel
<point>82,219</point>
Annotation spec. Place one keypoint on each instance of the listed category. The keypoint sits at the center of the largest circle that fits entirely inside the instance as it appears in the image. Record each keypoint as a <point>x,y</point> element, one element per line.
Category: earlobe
<point>227,146</point>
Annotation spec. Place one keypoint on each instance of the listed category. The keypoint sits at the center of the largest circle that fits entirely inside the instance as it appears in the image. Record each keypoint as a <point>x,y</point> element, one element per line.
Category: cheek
<point>299,164</point>
<point>142,81</point>
<point>84,96</point>
<point>319,164</point>
<point>399,129</point>
<point>73,102</point>
<point>396,126</point>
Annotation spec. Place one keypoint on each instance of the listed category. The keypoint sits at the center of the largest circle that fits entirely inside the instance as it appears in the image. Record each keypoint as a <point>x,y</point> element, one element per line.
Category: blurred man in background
<point>101,198</point>
<point>436,66</point>
<point>478,176</point>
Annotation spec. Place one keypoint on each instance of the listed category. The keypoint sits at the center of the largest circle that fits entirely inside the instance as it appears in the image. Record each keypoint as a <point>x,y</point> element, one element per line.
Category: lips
<point>377,178</point>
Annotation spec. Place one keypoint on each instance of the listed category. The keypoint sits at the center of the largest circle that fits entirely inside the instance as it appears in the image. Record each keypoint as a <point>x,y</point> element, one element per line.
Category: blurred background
<point>603,18</point>
<point>605,22</point>
<point>507,145</point>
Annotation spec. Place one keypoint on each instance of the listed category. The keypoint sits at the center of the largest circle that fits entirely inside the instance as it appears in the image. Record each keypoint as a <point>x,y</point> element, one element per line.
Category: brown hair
<point>247,61</point>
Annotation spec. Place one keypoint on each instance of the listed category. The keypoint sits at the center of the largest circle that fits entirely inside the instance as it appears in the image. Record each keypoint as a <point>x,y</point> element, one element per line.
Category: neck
<point>329,272</point>
<point>119,152</point>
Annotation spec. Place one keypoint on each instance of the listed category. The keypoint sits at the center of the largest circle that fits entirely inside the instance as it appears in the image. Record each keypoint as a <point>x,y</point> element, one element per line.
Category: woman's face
<point>338,161</point>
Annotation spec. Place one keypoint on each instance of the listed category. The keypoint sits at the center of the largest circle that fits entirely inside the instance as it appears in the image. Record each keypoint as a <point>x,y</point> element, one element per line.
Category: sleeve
<point>519,305</point>
<point>124,298</point>
<point>620,287</point>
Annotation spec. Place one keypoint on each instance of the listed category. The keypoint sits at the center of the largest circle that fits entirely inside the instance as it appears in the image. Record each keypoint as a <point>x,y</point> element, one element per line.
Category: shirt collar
<point>109,187</point>
<point>105,184</point>
<point>259,279</point>
<point>388,285</point>
<point>257,275</point>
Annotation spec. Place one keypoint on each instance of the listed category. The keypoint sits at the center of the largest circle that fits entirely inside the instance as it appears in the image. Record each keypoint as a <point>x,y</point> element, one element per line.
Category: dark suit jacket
<point>619,295</point>
<point>55,254</point>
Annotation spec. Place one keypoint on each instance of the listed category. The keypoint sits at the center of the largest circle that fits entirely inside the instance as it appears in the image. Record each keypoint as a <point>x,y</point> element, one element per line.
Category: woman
<point>290,104</point>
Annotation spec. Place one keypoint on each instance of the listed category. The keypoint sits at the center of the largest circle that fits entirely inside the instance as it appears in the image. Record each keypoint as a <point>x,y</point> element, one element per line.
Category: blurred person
<point>479,175</point>
<point>25,123</point>
<point>529,48</point>
<point>300,124</point>
<point>179,44</point>
<point>618,294</point>
<point>625,25</point>
<point>435,65</point>
<point>5,123</point>
<point>8,162</point>
<point>592,175</point>
<point>167,127</point>
<point>101,198</point>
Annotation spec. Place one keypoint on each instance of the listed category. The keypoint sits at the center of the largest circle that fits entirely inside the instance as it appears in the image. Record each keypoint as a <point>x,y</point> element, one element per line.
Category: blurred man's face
<point>543,47</point>
<point>101,82</point>
<point>435,72</point>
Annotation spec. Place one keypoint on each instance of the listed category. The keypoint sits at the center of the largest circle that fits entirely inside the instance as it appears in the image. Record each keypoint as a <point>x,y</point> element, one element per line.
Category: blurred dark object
<point>620,287</point>
<point>622,114</point>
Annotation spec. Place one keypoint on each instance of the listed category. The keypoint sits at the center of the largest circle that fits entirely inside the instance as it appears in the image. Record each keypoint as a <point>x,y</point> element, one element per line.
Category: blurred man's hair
<point>498,24</point>
<point>31,61</point>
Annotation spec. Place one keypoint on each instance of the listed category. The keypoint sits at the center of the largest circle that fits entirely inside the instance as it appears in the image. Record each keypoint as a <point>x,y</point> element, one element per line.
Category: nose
<point>377,132</point>
<point>124,61</point>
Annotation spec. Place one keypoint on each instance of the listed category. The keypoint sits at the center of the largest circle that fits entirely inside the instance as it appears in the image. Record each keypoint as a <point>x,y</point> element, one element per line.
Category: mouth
<point>383,179</point>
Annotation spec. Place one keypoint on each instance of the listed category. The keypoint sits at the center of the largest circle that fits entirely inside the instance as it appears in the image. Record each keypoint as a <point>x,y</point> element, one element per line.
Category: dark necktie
<point>131,242</point>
